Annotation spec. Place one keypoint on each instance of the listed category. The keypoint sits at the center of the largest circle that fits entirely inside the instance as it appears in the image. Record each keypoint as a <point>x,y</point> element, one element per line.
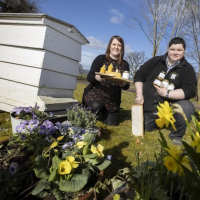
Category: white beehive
<point>39,61</point>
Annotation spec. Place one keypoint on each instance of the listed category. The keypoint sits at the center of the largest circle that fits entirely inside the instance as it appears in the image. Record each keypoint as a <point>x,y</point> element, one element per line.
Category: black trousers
<point>188,108</point>
<point>107,117</point>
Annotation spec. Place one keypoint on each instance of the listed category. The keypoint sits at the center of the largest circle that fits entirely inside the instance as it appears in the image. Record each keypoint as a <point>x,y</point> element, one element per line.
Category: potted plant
<point>82,117</point>
<point>29,114</point>
<point>50,159</point>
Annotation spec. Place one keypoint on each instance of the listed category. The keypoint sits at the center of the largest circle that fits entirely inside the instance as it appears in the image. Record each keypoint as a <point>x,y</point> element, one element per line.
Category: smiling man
<point>177,72</point>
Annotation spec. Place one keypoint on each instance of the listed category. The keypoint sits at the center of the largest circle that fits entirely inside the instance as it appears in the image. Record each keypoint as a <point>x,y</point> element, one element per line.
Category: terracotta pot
<point>89,194</point>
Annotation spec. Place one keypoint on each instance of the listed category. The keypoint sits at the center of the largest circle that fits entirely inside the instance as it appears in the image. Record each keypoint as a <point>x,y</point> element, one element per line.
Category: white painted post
<point>137,120</point>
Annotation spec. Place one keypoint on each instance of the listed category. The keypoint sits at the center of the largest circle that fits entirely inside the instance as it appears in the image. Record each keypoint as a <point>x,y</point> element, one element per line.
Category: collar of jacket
<point>183,61</point>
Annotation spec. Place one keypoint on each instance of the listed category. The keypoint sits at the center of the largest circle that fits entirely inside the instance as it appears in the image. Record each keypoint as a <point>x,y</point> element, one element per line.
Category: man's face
<point>176,52</point>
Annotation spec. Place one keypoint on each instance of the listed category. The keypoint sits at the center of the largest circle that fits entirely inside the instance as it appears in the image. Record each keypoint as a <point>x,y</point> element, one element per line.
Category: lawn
<point>118,141</point>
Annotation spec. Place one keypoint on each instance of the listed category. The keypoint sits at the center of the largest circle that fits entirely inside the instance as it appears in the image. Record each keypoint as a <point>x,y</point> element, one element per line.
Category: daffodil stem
<point>189,128</point>
<point>171,189</point>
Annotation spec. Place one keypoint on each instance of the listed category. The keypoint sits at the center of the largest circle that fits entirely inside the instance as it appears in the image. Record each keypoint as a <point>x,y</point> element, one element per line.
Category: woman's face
<point>115,49</point>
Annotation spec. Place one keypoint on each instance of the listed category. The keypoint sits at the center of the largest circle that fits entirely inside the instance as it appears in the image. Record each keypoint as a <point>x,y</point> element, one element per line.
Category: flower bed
<point>46,158</point>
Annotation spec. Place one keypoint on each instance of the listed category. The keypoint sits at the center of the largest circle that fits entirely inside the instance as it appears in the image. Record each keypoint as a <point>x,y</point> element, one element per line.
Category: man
<point>178,72</point>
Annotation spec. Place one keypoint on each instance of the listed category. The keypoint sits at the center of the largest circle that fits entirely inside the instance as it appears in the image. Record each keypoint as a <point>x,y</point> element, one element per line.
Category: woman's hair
<point>121,55</point>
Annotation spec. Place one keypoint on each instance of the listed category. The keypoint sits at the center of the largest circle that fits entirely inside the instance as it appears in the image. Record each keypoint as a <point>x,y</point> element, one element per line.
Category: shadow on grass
<point>124,115</point>
<point>118,160</point>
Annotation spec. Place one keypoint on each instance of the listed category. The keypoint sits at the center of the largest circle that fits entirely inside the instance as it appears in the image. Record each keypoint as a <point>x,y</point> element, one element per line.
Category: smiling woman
<point>102,94</point>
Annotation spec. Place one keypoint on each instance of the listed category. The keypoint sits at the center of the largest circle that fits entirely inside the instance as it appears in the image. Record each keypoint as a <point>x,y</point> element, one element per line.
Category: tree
<point>135,60</point>
<point>193,39</point>
<point>19,6</point>
<point>159,19</point>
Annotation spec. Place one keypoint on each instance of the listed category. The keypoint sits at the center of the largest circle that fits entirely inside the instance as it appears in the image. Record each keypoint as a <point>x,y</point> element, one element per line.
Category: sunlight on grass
<point>119,140</point>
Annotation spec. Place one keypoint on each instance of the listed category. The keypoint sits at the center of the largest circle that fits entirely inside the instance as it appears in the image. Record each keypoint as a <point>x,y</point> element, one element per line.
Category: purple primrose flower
<point>42,129</point>
<point>33,123</point>
<point>13,168</point>
<point>66,145</point>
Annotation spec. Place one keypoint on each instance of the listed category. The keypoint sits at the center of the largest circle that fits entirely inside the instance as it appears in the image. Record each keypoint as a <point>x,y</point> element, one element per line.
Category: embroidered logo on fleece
<point>173,75</point>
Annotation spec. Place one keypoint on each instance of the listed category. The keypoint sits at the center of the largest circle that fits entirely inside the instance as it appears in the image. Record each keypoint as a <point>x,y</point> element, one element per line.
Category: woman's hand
<point>162,90</point>
<point>121,83</point>
<point>139,99</point>
<point>98,78</point>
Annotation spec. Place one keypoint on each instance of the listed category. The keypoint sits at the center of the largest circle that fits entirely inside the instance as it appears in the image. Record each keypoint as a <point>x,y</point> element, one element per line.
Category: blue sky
<point>98,20</point>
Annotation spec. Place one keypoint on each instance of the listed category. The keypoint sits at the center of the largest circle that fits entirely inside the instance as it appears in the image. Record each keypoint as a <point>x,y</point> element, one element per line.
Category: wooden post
<point>137,120</point>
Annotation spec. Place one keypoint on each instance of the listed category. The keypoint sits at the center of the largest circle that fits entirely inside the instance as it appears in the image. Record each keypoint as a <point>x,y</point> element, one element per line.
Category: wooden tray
<point>118,79</point>
<point>104,75</point>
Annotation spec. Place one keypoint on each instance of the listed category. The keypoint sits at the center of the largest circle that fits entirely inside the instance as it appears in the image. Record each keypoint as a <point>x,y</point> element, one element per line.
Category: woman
<point>103,95</point>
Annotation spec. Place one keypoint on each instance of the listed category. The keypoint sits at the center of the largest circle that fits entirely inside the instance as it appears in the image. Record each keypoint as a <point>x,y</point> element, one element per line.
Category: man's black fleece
<point>182,76</point>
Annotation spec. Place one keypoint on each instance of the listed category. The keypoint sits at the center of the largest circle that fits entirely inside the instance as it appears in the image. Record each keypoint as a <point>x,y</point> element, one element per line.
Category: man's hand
<point>99,78</point>
<point>162,90</point>
<point>139,99</point>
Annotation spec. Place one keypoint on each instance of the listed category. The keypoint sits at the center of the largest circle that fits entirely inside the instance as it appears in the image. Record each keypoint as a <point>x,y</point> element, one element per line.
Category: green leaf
<point>66,154</point>
<point>194,156</point>
<point>76,183</point>
<point>104,165</point>
<point>161,194</point>
<point>59,195</point>
<point>89,156</point>
<point>86,149</point>
<point>117,183</point>
<point>40,167</point>
<point>43,184</point>
<point>55,164</point>
<point>88,137</point>
<point>162,141</point>
<point>42,194</point>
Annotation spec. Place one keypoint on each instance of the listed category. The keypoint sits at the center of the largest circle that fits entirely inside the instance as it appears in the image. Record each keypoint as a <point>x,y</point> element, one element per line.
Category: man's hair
<point>178,40</point>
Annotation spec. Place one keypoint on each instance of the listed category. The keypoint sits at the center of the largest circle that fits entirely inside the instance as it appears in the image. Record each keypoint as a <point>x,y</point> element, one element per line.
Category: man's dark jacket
<point>182,76</point>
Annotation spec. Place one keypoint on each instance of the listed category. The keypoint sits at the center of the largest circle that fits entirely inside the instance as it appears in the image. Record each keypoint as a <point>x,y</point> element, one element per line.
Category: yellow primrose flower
<point>60,138</point>
<point>72,161</point>
<point>81,144</point>
<point>54,144</point>
<point>174,161</point>
<point>196,142</point>
<point>98,150</point>
<point>165,114</point>
<point>64,168</point>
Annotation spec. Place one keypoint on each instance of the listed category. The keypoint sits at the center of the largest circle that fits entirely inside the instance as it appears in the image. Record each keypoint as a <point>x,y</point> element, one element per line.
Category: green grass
<point>117,140</point>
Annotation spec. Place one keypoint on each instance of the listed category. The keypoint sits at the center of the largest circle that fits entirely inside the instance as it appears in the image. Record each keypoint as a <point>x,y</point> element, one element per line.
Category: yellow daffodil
<point>72,161</point>
<point>64,168</point>
<point>54,144</point>
<point>116,197</point>
<point>165,114</point>
<point>196,142</point>
<point>175,159</point>
<point>60,138</point>
<point>98,150</point>
<point>81,144</point>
